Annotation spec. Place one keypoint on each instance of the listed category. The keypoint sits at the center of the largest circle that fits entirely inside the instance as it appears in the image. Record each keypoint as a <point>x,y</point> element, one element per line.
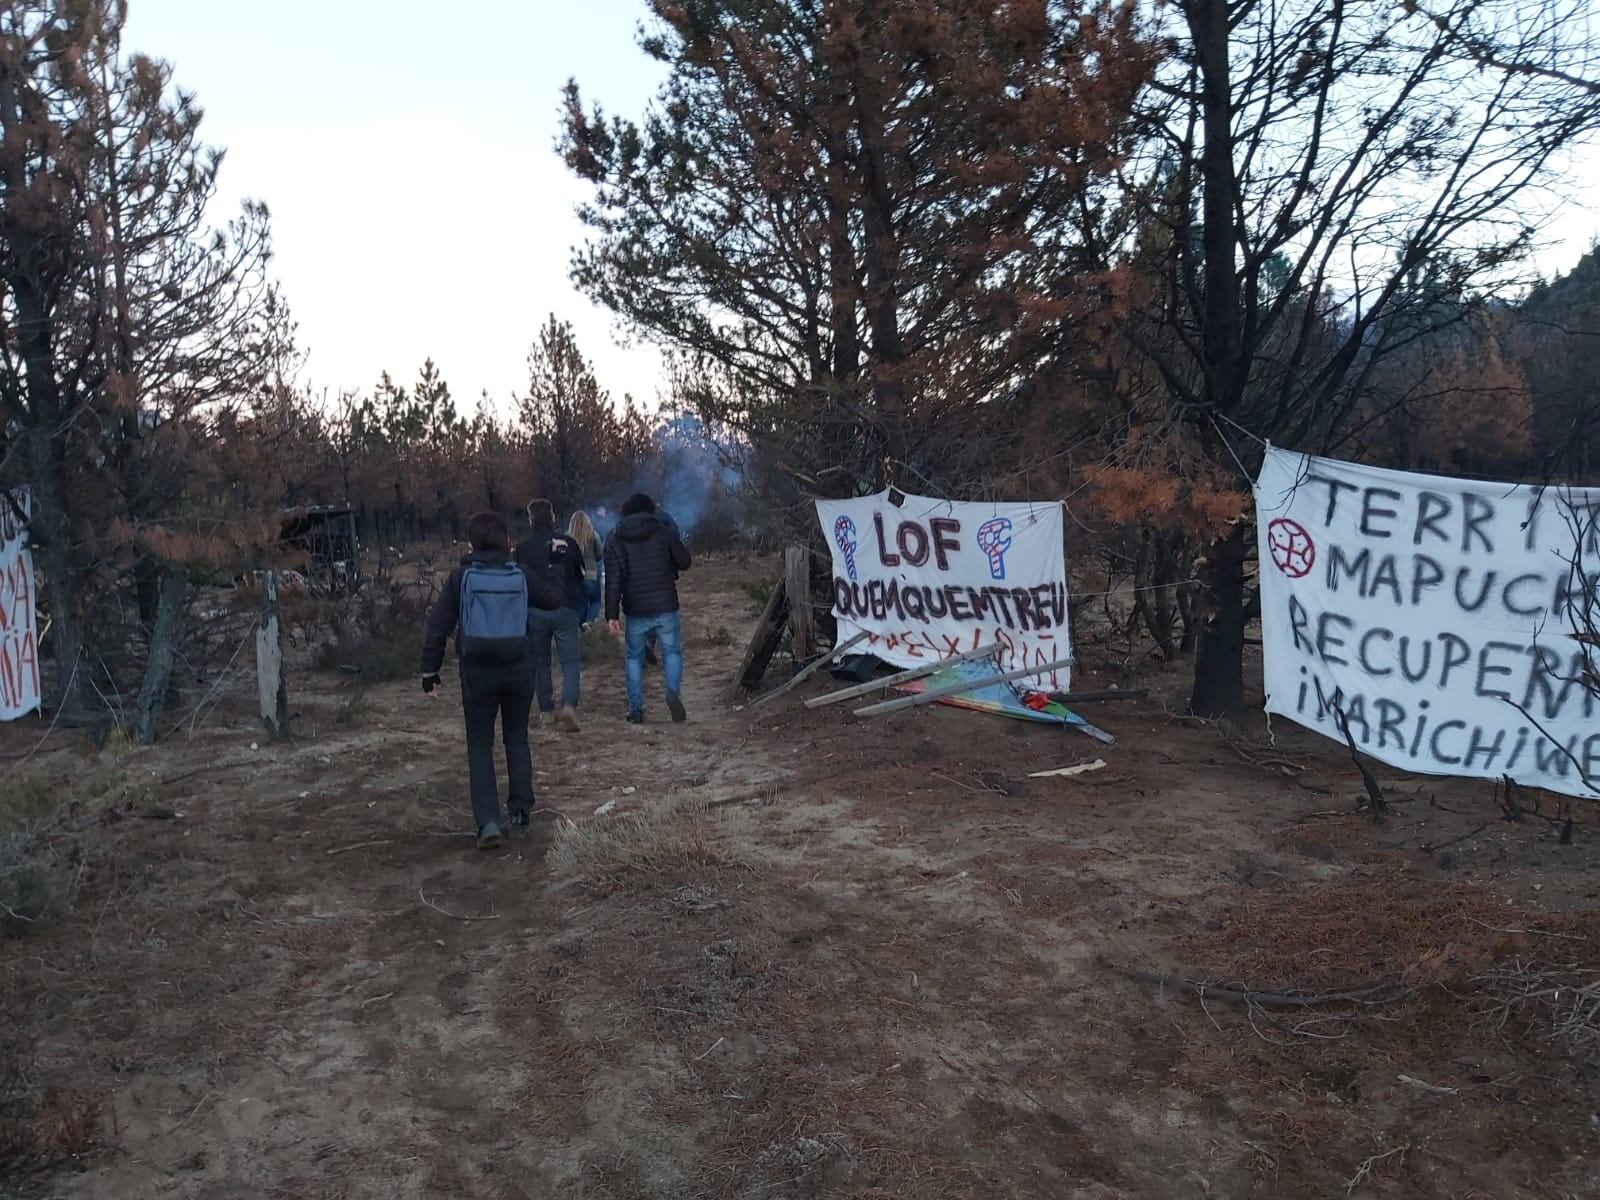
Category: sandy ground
<point>799,955</point>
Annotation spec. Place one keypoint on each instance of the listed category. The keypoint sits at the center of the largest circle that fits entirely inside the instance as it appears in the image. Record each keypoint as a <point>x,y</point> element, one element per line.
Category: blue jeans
<point>668,632</point>
<point>592,593</point>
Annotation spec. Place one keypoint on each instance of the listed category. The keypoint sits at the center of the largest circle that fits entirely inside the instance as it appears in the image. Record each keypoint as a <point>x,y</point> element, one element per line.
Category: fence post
<point>271,681</point>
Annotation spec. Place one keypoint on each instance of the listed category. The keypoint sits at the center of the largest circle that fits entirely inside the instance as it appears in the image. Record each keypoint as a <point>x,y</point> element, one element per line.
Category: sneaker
<point>544,718</point>
<point>519,822</point>
<point>635,716</point>
<point>567,719</point>
<point>675,707</point>
<point>489,836</point>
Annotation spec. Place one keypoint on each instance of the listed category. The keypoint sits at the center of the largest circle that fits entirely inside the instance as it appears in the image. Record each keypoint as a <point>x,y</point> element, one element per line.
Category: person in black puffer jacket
<point>643,559</point>
<point>558,560</point>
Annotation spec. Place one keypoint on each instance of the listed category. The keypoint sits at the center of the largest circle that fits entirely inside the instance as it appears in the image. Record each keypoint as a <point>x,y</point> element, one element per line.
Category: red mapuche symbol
<point>1291,547</point>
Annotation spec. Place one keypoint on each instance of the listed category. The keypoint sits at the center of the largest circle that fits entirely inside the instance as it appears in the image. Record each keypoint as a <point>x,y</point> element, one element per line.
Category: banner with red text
<point>929,579</point>
<point>19,635</point>
<point>1444,622</point>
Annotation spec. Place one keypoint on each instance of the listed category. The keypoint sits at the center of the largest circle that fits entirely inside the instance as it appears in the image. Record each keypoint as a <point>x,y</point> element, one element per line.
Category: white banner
<point>929,579</point>
<point>1438,615</point>
<point>19,636</point>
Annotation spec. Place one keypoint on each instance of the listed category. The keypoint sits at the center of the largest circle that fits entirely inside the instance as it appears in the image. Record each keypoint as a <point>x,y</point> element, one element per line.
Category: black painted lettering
<point>1477,513</point>
<point>1334,488</point>
<point>1426,575</point>
<point>913,542</point>
<point>960,609</point>
<point>1489,750</point>
<point>914,601</point>
<point>1432,509</point>
<point>1023,600</point>
<point>884,556</point>
<point>1391,717</point>
<point>841,597</point>
<point>1530,523</point>
<point>1327,640</point>
<point>1486,668</point>
<point>1509,601</point>
<point>937,602</point>
<point>1367,665</point>
<point>1439,755</point>
<point>1357,569</point>
<point>1418,673</point>
<point>1386,576</point>
<point>945,540</point>
<point>1484,588</point>
<point>1456,653</point>
<point>1371,512</point>
<point>1299,620</point>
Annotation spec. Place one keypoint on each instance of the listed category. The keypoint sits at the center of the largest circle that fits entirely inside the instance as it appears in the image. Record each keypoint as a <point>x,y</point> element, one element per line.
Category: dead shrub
<point>377,634</point>
<point>673,838</point>
<point>599,644</point>
<point>42,1128</point>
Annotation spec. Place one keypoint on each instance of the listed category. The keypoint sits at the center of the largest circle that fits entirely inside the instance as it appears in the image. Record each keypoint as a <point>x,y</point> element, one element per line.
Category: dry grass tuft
<point>1356,934</point>
<point>675,838</point>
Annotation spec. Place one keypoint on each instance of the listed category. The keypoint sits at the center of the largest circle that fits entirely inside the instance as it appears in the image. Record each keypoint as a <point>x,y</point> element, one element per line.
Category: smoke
<point>692,479</point>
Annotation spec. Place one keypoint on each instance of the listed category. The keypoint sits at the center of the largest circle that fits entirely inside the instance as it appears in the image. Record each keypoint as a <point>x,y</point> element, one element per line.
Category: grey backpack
<point>494,614</point>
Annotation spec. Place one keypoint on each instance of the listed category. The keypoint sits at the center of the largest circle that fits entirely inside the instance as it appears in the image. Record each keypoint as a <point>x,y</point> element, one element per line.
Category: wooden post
<point>797,583</point>
<point>173,589</point>
<point>763,643</point>
<point>271,682</point>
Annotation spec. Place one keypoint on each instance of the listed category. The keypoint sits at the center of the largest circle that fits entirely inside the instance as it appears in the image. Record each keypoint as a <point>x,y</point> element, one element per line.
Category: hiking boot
<point>489,836</point>
<point>519,822</point>
<point>567,719</point>
<point>675,707</point>
<point>635,716</point>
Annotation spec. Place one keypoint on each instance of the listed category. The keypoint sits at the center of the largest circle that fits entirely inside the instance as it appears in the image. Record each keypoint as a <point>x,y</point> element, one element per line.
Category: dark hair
<point>638,503</point>
<point>488,531</point>
<point>542,514</point>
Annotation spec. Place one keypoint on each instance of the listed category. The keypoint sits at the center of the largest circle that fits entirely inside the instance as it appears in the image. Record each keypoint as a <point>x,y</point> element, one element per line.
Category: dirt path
<point>803,955</point>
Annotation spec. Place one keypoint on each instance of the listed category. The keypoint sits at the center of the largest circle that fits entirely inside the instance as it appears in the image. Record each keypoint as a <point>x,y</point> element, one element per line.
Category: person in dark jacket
<point>558,560</point>
<point>498,686</point>
<point>643,559</point>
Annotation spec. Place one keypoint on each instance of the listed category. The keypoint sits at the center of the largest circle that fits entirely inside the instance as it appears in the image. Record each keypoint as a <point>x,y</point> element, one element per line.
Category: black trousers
<point>487,693</point>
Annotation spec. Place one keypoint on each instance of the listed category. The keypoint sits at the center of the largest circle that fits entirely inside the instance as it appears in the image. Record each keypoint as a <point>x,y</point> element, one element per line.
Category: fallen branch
<point>361,846</point>
<point>1374,796</point>
<point>453,916</point>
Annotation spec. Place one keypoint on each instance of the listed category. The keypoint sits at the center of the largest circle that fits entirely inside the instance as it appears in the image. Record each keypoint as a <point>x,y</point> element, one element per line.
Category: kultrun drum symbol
<point>844,532</point>
<point>1291,547</point>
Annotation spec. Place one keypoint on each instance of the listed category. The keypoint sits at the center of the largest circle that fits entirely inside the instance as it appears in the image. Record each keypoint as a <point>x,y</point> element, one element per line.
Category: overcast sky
<point>405,148</point>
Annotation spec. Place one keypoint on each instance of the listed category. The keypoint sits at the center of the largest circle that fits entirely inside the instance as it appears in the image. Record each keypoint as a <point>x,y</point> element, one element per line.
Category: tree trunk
<point>1219,659</point>
<point>49,536</point>
<point>173,591</point>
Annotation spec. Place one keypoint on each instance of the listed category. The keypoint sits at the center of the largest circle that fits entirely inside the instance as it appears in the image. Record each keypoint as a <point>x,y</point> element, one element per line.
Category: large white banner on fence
<point>928,579</point>
<point>1443,618</point>
<point>19,636</point>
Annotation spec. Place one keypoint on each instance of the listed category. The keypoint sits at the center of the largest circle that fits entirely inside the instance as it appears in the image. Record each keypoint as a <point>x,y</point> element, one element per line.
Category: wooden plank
<point>797,583</point>
<point>1093,697</point>
<point>831,656</point>
<point>956,689</point>
<point>877,685</point>
<point>763,642</point>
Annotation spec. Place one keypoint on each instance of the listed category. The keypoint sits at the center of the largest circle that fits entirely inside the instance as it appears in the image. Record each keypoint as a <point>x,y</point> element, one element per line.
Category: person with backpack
<point>643,559</point>
<point>558,560</point>
<point>485,604</point>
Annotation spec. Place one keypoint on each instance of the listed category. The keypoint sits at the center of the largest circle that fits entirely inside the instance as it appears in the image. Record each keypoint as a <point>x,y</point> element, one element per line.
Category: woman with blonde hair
<point>581,530</point>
